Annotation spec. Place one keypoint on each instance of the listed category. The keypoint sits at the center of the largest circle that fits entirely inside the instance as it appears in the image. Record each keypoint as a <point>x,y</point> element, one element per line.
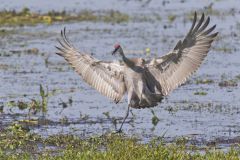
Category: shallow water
<point>202,119</point>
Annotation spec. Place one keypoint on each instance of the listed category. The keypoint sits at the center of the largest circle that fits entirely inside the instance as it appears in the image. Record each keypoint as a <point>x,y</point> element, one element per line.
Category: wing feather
<point>105,77</point>
<point>174,68</point>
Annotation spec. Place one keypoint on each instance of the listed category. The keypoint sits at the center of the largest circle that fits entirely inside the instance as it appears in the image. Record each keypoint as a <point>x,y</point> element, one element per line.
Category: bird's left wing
<point>174,68</point>
<point>105,77</point>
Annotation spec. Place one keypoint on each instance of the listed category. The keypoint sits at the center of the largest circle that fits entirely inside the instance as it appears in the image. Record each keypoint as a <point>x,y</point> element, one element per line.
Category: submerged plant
<point>201,93</point>
<point>228,83</point>
<point>155,119</point>
<point>34,106</point>
<point>44,96</point>
<point>28,17</point>
<point>204,81</point>
<point>16,136</point>
<point>16,143</point>
<point>1,107</point>
<point>171,18</point>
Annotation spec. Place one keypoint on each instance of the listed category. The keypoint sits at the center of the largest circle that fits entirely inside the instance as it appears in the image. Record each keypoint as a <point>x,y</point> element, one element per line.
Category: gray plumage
<point>146,82</point>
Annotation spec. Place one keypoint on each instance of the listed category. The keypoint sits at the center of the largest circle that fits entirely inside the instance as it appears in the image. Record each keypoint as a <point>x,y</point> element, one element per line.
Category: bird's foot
<point>118,131</point>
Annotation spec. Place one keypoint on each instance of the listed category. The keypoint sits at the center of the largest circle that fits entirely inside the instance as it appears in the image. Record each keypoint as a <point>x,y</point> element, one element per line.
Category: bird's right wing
<point>105,77</point>
<point>174,68</point>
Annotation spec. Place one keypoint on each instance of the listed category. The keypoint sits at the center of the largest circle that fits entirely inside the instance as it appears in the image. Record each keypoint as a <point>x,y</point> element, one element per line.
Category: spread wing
<point>105,77</point>
<point>174,68</point>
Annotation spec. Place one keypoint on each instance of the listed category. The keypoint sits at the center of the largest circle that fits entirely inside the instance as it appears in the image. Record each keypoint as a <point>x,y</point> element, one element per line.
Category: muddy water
<point>203,119</point>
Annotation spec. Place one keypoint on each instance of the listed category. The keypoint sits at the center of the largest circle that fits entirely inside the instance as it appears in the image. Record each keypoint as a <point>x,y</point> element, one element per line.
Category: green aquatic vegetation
<point>29,51</point>
<point>107,146</point>
<point>146,18</point>
<point>172,109</point>
<point>44,102</point>
<point>28,17</point>
<point>171,18</point>
<point>114,16</point>
<point>201,93</point>
<point>84,117</point>
<point>238,77</point>
<point>228,83</point>
<point>111,118</point>
<point>5,32</point>
<point>32,51</point>
<point>208,10</point>
<point>17,137</point>
<point>204,81</point>
<point>106,114</point>
<point>1,107</point>
<point>4,66</point>
<point>224,49</point>
<point>158,17</point>
<point>33,106</point>
<point>155,119</point>
<point>64,120</point>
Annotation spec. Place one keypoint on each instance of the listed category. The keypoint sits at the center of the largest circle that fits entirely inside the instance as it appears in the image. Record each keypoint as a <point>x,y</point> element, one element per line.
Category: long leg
<point>120,129</point>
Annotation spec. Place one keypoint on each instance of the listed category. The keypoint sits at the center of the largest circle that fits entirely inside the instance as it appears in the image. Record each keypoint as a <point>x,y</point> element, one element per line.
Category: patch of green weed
<point>28,17</point>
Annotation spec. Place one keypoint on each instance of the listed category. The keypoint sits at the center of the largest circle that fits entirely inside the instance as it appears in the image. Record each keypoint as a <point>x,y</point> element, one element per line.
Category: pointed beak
<point>114,51</point>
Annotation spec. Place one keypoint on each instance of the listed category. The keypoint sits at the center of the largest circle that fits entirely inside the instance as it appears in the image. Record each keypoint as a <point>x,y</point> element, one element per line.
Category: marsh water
<point>202,112</point>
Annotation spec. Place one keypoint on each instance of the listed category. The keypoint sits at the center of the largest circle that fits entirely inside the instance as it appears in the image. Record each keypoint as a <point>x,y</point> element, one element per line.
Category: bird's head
<point>117,49</point>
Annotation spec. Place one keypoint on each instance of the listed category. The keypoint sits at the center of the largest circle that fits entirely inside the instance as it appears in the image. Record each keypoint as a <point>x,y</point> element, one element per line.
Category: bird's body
<point>139,91</point>
<point>146,82</point>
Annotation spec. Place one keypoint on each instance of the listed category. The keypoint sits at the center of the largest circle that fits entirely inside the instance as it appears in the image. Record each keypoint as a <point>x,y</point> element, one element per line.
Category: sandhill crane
<point>146,82</point>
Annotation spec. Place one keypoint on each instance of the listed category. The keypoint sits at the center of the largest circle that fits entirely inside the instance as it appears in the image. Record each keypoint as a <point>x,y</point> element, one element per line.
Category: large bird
<point>146,82</point>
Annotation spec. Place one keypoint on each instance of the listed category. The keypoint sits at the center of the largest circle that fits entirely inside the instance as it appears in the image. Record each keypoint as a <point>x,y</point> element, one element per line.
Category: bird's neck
<point>127,61</point>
